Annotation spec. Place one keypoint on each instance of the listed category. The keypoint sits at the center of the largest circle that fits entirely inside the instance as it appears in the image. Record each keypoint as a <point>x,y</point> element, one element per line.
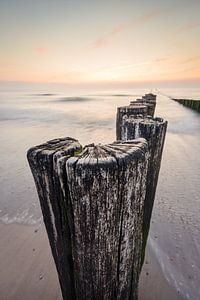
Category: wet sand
<point>28,270</point>
<point>153,285</point>
<point>26,264</point>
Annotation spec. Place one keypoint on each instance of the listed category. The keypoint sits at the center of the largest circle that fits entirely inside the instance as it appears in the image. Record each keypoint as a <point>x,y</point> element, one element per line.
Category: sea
<point>33,114</point>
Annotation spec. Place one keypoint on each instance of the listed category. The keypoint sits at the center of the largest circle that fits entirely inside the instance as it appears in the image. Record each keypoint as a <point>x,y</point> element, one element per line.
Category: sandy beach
<point>26,263</point>
<point>28,270</point>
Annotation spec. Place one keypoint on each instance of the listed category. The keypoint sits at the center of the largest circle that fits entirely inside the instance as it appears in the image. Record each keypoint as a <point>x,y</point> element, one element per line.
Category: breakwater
<point>193,104</point>
<point>97,202</point>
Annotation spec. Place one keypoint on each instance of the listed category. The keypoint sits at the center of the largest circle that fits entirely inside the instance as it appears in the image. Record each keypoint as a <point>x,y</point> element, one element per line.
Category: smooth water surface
<point>29,116</point>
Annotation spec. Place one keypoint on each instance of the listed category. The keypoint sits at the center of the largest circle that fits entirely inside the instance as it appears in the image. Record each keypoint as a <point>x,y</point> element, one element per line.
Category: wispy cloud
<point>41,50</point>
<point>192,59</point>
<point>125,67</point>
<point>106,38</point>
<point>158,60</point>
<point>188,26</point>
<point>148,17</point>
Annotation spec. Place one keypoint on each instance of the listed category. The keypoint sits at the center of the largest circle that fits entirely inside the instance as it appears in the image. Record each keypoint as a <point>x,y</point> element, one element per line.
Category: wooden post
<point>45,162</point>
<point>193,104</point>
<point>151,105</point>
<point>153,130</point>
<point>131,110</point>
<point>150,97</point>
<point>92,205</point>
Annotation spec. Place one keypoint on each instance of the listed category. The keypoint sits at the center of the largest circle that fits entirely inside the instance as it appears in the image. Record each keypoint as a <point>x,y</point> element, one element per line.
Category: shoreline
<point>28,270</point>
<point>152,284</point>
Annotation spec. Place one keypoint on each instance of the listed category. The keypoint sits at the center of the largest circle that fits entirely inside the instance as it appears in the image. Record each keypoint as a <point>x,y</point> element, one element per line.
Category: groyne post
<point>193,104</point>
<point>151,105</point>
<point>92,204</point>
<point>130,110</point>
<point>142,107</point>
<point>47,165</point>
<point>153,130</point>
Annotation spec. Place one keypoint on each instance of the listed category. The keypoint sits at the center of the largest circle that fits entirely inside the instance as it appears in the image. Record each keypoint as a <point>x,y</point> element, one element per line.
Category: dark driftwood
<point>44,161</point>
<point>93,210</point>
<point>153,130</point>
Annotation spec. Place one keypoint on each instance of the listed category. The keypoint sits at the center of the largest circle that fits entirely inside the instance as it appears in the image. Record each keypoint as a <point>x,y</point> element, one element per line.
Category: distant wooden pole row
<point>193,104</point>
<point>97,203</point>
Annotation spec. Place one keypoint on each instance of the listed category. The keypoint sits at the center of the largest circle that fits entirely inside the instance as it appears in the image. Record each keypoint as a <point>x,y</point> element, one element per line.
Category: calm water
<point>29,116</point>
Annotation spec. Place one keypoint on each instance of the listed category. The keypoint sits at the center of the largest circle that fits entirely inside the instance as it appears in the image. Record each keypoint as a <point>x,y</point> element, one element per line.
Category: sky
<point>97,42</point>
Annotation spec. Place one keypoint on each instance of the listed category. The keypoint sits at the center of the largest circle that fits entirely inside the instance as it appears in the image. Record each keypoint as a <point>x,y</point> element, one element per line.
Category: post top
<point>147,120</point>
<point>110,155</point>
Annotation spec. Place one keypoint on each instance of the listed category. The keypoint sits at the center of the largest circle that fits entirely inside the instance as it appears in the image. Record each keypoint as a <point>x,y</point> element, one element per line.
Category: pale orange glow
<point>128,47</point>
<point>41,50</point>
<point>155,70</point>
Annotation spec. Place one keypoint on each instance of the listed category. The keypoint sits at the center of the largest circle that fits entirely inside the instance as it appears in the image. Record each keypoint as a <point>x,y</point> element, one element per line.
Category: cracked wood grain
<point>44,162</point>
<point>107,187</point>
<point>154,131</point>
<point>92,205</point>
<point>130,110</point>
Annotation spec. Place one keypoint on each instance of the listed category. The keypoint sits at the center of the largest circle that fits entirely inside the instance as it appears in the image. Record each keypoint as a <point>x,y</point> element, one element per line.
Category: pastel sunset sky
<point>77,41</point>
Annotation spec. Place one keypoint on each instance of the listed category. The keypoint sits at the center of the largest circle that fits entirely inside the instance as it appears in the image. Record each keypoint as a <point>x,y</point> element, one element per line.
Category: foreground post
<point>92,205</point>
<point>44,161</point>
<point>153,130</point>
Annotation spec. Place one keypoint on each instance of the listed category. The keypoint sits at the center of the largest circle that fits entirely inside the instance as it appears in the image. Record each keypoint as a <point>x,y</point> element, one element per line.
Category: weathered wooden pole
<point>47,164</point>
<point>107,185</point>
<point>153,130</point>
<point>92,205</point>
<point>193,104</point>
<point>150,97</point>
<point>130,110</point>
<point>151,105</point>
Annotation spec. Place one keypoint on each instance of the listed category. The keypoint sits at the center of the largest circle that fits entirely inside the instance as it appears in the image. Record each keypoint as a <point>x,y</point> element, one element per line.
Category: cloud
<point>192,59</point>
<point>158,60</point>
<point>105,39</point>
<point>149,16</point>
<point>41,50</point>
<point>127,67</point>
<point>188,26</point>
